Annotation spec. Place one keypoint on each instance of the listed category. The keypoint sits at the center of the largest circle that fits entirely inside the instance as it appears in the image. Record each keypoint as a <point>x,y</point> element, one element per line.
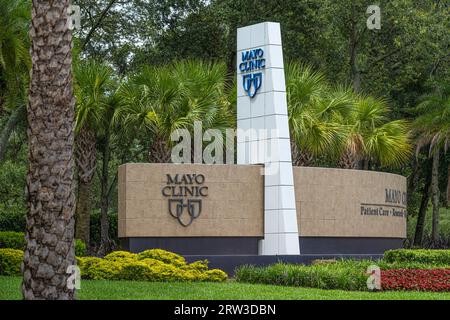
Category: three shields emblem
<point>251,83</point>
<point>185,217</point>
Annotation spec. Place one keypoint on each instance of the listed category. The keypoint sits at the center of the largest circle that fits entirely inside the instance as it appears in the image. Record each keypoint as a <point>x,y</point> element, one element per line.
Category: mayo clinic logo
<point>252,61</point>
<point>185,193</point>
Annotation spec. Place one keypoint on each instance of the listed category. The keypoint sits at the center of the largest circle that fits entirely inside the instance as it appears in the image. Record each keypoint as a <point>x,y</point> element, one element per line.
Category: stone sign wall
<point>350,203</point>
<point>193,200</point>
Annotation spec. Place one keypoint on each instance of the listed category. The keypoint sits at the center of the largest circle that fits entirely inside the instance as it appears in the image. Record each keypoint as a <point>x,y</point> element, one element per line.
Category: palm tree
<point>92,80</point>
<point>110,128</point>
<point>50,182</point>
<point>373,137</point>
<point>160,100</point>
<point>433,126</point>
<point>14,64</point>
<point>315,114</point>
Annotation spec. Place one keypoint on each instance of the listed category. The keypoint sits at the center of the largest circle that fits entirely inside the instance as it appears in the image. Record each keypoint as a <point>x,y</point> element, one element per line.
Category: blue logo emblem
<point>253,62</point>
<point>252,83</point>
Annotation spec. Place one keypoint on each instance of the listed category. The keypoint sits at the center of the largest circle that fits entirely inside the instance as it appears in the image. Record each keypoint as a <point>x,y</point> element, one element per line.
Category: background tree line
<point>358,98</point>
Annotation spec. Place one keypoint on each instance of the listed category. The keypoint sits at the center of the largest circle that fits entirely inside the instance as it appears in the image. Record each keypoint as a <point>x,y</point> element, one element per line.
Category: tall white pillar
<point>263,131</point>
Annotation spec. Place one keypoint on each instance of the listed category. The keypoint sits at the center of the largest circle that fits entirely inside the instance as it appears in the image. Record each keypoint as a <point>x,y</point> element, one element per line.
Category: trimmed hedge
<point>12,240</point>
<point>13,219</point>
<point>149,265</point>
<point>164,256</point>
<point>423,256</point>
<point>16,240</point>
<point>10,261</point>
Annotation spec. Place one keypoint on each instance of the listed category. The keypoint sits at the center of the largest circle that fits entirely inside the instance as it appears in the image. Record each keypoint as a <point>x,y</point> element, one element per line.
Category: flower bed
<point>416,279</point>
<point>351,275</point>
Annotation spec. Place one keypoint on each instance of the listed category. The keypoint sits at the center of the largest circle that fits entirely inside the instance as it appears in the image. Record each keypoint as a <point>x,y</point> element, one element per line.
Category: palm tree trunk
<point>435,198</point>
<point>50,182</point>
<point>356,73</point>
<point>348,160</point>
<point>105,244</point>
<point>413,179</point>
<point>447,200</point>
<point>300,157</point>
<point>86,153</point>
<point>13,120</point>
<point>420,226</point>
<point>83,212</point>
<point>159,151</point>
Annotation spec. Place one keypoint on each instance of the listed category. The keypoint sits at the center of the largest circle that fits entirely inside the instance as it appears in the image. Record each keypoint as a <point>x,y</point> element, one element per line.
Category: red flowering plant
<point>416,279</point>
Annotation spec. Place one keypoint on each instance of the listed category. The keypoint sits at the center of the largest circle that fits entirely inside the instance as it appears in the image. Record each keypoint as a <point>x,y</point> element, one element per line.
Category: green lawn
<point>98,290</point>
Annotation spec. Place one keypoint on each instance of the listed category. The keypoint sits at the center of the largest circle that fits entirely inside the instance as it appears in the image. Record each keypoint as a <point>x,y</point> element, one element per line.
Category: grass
<point>134,290</point>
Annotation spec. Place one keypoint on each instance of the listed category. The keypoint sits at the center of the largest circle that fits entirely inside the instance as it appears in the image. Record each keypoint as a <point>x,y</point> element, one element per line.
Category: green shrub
<point>12,196</point>
<point>164,256</point>
<point>145,270</point>
<point>149,265</point>
<point>120,255</point>
<point>409,265</point>
<point>12,240</point>
<point>201,266</point>
<point>123,265</point>
<point>135,270</point>
<point>216,275</point>
<point>16,240</point>
<point>80,248</point>
<point>85,263</point>
<point>152,262</point>
<point>344,275</point>
<point>101,269</point>
<point>422,256</point>
<point>12,218</point>
<point>10,262</point>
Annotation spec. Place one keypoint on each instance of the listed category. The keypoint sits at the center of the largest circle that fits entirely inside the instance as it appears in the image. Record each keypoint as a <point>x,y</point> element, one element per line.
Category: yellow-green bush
<point>104,270</point>
<point>120,255</point>
<point>84,263</point>
<point>152,262</point>
<point>201,266</point>
<point>216,275</point>
<point>149,265</point>
<point>98,269</point>
<point>164,256</point>
<point>10,262</point>
<point>136,270</point>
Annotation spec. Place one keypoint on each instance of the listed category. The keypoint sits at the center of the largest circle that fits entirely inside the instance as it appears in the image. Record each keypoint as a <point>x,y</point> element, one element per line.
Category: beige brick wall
<point>328,202</point>
<point>233,207</point>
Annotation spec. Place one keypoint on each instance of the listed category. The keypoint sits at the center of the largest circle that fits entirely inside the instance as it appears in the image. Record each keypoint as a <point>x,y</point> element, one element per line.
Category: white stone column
<point>264,118</point>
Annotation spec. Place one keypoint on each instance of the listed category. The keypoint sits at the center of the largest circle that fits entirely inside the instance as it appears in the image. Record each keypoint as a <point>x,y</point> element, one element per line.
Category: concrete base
<point>248,246</point>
